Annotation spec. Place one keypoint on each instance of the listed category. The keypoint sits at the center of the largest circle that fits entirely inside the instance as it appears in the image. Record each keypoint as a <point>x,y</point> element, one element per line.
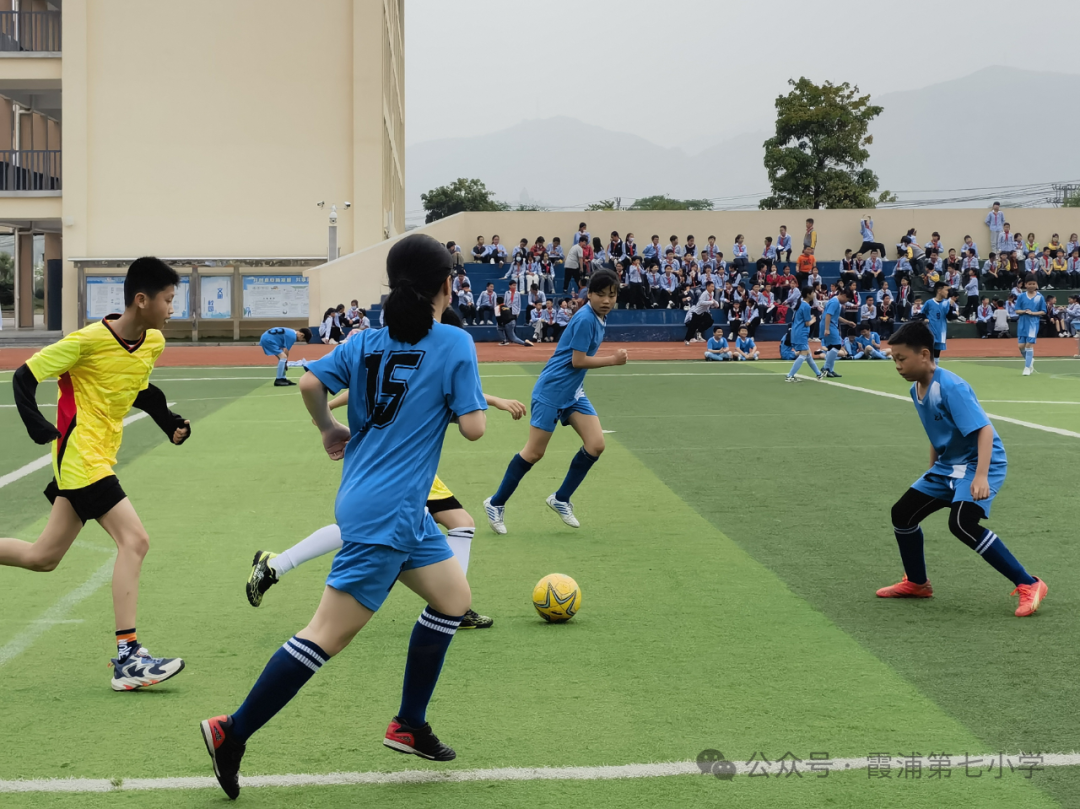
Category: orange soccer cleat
<point>1031,596</point>
<point>906,589</point>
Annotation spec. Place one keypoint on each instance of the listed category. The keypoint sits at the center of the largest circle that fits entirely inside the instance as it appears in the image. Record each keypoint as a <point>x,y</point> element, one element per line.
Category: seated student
<point>886,316</point>
<point>873,271</point>
<point>329,330</point>
<point>984,318</point>
<point>717,347</point>
<point>507,318</point>
<point>745,347</point>
<point>539,249</point>
<point>536,296</point>
<point>969,246</point>
<point>536,320</point>
<point>768,255</point>
<point>277,342</point>
<point>455,251</point>
<point>1059,271</point>
<point>710,253</point>
<point>466,307</point>
<point>497,254</point>
<point>546,272</point>
<point>485,306</point>
<point>1055,318</point>
<point>1010,307</point>
<point>549,318</point>
<point>616,250</point>
<point>555,252</point>
<point>916,309</point>
<point>1072,267</point>
<point>522,251</point>
<point>868,311</point>
<point>362,322</point>
<point>652,285</point>
<point>354,312</point>
<point>459,280</point>
<point>562,318</point>
<point>850,268</point>
<point>970,262</point>
<point>990,272</point>
<point>664,294</point>
<point>1001,320</point>
<point>872,344</point>
<point>481,252</point>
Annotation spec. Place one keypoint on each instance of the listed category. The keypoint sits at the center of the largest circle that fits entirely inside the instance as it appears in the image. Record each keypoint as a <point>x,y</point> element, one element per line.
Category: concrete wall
<point>362,275</point>
<point>209,128</point>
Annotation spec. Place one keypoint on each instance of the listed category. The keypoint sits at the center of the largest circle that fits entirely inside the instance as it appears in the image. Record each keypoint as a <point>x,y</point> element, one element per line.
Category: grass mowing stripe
<point>1029,764</point>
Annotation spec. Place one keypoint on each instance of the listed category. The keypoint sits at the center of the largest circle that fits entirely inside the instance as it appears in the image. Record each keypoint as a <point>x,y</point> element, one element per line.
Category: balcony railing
<point>30,31</point>
<point>30,170</point>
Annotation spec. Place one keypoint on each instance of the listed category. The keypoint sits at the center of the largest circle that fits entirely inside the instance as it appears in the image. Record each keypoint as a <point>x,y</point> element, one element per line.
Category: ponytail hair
<point>417,267</point>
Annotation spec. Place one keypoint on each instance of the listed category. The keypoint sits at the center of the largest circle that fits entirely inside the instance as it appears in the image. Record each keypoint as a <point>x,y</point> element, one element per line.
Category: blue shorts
<point>939,346</point>
<point>958,489</point>
<point>367,572</point>
<point>546,418</point>
<point>270,349</point>
<point>1031,336</point>
<point>800,346</point>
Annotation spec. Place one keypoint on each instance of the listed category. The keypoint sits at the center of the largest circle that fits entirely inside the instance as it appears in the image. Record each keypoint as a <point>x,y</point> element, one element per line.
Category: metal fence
<point>30,170</point>
<point>30,31</point>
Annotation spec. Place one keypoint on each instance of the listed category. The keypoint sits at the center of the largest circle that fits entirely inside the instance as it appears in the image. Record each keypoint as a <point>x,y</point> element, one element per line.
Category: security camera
<point>348,205</point>
<point>320,203</point>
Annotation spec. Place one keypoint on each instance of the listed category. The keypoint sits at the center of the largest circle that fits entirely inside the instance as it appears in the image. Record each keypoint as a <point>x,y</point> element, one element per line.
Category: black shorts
<point>443,504</point>
<point>831,346</point>
<point>90,502</point>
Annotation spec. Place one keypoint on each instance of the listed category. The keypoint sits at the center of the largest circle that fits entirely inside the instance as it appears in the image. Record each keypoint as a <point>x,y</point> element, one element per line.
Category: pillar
<point>24,279</point>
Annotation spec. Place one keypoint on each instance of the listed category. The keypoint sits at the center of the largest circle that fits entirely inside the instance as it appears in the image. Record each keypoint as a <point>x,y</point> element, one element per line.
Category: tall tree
<point>816,159</point>
<point>662,202</point>
<point>460,195</point>
<point>1071,200</point>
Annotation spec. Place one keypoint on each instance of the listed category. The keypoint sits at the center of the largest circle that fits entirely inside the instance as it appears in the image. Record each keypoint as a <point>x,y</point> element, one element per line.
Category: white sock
<point>325,540</point>
<point>459,540</point>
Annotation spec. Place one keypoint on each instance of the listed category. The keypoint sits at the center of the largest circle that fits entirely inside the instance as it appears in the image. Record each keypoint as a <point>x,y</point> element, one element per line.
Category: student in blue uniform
<point>408,381</point>
<point>559,397</point>
<point>830,330</point>
<point>717,348</point>
<point>967,470</point>
<point>800,336</point>
<point>1031,307</point>
<point>870,344</point>
<point>745,347</point>
<point>276,342</point>
<point>936,312</point>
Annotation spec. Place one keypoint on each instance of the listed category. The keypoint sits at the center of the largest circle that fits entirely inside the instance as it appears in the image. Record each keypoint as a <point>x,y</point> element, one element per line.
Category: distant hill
<point>952,135</point>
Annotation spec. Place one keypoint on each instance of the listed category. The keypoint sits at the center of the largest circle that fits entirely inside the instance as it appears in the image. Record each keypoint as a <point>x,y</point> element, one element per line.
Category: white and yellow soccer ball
<point>557,598</point>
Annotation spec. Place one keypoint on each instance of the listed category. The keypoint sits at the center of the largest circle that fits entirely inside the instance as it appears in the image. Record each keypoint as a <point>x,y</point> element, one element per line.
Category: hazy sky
<point>702,67</point>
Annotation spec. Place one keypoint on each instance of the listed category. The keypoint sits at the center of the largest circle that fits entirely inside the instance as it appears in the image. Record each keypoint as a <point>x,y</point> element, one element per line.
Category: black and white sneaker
<point>140,670</point>
<point>831,374</point>
<point>417,741</point>
<point>261,579</point>
<point>225,751</point>
<point>473,620</point>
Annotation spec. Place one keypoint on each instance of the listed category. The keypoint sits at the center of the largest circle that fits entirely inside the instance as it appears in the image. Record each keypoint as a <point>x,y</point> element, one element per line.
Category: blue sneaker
<point>140,670</point>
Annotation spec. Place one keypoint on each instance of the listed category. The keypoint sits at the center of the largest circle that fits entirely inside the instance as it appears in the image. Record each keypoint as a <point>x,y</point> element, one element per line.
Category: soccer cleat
<point>820,377</point>
<point>474,621</point>
<point>417,741</point>
<point>225,752</point>
<point>1031,596</point>
<point>564,510</point>
<point>906,589</point>
<point>282,382</point>
<point>831,374</point>
<point>140,670</point>
<point>495,516</point>
<point>792,379</point>
<point>262,577</point>
<point>1027,371</point>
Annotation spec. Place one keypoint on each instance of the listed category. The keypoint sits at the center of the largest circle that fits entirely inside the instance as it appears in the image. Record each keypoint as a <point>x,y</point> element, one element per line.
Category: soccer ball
<point>557,598</point>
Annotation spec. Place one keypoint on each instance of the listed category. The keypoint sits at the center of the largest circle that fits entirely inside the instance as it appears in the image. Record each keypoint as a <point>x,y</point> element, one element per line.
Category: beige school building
<point>206,132</point>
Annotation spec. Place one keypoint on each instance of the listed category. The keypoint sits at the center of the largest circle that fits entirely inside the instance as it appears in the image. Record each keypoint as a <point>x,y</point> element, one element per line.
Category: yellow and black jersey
<point>99,376</point>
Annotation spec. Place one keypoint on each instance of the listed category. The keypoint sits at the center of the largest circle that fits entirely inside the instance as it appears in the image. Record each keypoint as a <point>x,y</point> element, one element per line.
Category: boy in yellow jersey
<point>102,371</point>
<point>267,567</point>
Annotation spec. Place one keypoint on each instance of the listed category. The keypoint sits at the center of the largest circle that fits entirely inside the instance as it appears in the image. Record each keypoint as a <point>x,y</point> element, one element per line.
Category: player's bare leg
<point>45,554</point>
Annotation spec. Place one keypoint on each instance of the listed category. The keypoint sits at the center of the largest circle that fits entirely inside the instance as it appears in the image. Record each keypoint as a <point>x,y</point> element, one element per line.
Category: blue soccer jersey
<point>278,339</point>
<point>560,383</point>
<point>717,345</point>
<point>952,417</point>
<point>937,318</point>
<point>1027,326</point>
<point>401,399</point>
<point>832,336</point>
<point>745,346</point>
<point>800,325</point>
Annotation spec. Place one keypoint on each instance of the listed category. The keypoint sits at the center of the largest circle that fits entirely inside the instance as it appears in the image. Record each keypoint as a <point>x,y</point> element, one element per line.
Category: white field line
<point>46,460</point>
<point>1031,424</point>
<point>55,614</point>
<point>1027,766</point>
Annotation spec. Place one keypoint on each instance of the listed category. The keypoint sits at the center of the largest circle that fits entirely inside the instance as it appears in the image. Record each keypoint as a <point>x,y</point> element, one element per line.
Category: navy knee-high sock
<point>517,469</point>
<point>993,550</point>
<point>427,649</point>
<point>910,541</point>
<point>579,468</point>
<point>291,666</point>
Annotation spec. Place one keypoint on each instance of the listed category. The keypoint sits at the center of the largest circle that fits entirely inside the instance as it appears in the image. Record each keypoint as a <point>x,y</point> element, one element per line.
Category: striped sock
<point>910,541</point>
<point>427,649</point>
<point>285,674</point>
<point>993,550</point>
<point>126,643</point>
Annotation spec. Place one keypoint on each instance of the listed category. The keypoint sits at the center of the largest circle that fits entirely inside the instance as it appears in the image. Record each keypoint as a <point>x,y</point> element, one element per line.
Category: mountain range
<point>996,127</point>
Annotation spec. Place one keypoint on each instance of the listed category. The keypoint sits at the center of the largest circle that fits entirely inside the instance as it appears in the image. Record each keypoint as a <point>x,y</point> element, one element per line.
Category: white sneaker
<point>792,379</point>
<point>564,510</point>
<point>1027,371</point>
<point>495,516</point>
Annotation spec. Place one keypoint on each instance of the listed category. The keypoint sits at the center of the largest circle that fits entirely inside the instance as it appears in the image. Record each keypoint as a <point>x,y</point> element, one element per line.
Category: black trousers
<point>698,323</point>
<point>571,273</point>
<point>868,246</point>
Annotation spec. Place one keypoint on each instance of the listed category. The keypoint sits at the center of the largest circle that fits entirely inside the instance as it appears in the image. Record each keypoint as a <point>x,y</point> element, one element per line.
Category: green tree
<point>602,205</point>
<point>662,202</point>
<point>1071,200</point>
<point>460,195</point>
<point>528,206</point>
<point>818,154</point>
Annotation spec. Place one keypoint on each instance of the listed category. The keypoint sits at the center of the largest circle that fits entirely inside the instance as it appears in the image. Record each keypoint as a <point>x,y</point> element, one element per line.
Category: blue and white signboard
<point>275,296</point>
<point>216,294</point>
<point>104,295</point>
